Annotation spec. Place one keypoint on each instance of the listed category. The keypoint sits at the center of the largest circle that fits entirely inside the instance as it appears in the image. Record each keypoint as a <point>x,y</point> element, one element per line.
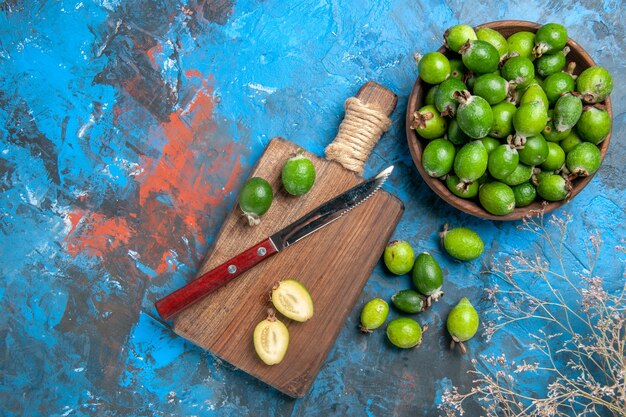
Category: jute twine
<point>359,132</point>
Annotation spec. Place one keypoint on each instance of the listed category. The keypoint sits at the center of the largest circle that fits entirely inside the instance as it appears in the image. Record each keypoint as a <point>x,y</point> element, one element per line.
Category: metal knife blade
<point>330,211</point>
<point>323,215</point>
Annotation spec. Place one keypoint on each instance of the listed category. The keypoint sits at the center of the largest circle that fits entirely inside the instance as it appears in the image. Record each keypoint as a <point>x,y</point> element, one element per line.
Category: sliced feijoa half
<point>293,300</point>
<point>271,339</point>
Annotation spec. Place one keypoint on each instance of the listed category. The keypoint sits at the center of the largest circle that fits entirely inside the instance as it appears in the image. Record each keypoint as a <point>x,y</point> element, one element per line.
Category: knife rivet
<point>261,251</point>
<point>232,269</point>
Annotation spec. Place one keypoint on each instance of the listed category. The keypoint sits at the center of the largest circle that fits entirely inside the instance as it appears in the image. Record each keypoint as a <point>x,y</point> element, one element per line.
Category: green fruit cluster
<point>506,120</point>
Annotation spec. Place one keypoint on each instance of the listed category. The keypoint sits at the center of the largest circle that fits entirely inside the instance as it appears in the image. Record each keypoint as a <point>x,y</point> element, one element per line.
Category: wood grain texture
<point>333,263</point>
<point>417,144</point>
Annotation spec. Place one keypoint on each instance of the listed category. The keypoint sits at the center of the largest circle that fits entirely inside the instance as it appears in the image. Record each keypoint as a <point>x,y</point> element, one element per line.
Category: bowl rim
<point>471,206</point>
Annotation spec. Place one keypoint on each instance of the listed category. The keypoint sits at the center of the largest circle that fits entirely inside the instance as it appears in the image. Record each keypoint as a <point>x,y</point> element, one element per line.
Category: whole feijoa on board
<point>399,257</point>
<point>461,243</point>
<point>427,276</point>
<point>298,175</point>
<point>255,198</point>
<point>433,67</point>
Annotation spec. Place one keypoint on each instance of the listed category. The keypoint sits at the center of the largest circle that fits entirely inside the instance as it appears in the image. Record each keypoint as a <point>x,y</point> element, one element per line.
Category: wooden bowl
<point>473,207</point>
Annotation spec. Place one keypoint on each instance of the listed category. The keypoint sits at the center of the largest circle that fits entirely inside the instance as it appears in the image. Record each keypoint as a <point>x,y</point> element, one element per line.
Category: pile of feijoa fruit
<point>506,120</point>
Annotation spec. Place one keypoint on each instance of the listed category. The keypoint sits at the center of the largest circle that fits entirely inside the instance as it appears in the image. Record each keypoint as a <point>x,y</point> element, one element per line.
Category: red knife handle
<point>182,298</point>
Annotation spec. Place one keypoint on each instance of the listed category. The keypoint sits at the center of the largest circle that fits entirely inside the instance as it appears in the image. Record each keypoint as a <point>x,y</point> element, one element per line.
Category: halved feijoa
<point>293,300</point>
<point>271,339</point>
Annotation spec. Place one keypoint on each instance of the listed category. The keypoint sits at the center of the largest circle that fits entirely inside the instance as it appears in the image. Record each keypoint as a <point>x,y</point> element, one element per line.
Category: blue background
<point>126,129</point>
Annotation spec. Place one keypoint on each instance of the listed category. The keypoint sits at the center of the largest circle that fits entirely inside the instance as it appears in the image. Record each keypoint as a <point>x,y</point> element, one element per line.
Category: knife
<point>319,217</point>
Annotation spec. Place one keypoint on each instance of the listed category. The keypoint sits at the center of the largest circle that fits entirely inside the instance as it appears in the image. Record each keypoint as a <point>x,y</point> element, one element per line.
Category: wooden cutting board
<point>334,263</point>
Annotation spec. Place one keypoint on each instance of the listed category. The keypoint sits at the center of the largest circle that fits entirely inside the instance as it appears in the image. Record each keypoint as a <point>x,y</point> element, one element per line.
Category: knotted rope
<point>359,132</point>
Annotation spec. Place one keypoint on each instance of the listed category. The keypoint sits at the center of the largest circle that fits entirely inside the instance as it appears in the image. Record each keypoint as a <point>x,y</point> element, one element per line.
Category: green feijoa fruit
<point>555,159</point>
<point>502,119</point>
<point>497,198</point>
<point>474,115</point>
<point>456,36</point>
<point>444,99</point>
<point>427,276</point>
<point>522,44</point>
<point>462,243</point>
<point>594,124</point>
<point>549,39</point>
<point>430,96</point>
<point>298,175</point>
<point>404,333</point>
<point>539,175</point>
<point>491,87</point>
<point>470,162</point>
<point>584,159</point>
<point>373,315</point>
<point>455,134</point>
<point>520,175</point>
<point>255,198</point>
<point>469,79</point>
<point>534,93</point>
<point>524,193</point>
<point>490,144</point>
<point>495,38</point>
<point>271,339</point>
<point>457,69</point>
<point>567,111</point>
<point>535,151</point>
<point>399,257</point>
<point>459,189</point>
<point>409,301</point>
<point>292,300</point>
<point>428,122</point>
<point>570,141</point>
<point>552,187</point>
<point>549,64</point>
<point>550,133</point>
<point>557,84</point>
<point>518,70</point>
<point>462,322</point>
<point>480,56</point>
<point>502,161</point>
<point>438,157</point>
<point>594,84</point>
<point>530,119</point>
<point>433,67</point>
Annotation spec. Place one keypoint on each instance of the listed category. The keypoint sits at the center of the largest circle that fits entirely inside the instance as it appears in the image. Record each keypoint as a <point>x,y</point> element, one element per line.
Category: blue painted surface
<point>113,115</point>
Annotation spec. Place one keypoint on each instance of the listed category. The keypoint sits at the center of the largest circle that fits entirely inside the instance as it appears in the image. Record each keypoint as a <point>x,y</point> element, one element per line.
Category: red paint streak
<point>155,50</point>
<point>96,235</point>
<point>176,195</point>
